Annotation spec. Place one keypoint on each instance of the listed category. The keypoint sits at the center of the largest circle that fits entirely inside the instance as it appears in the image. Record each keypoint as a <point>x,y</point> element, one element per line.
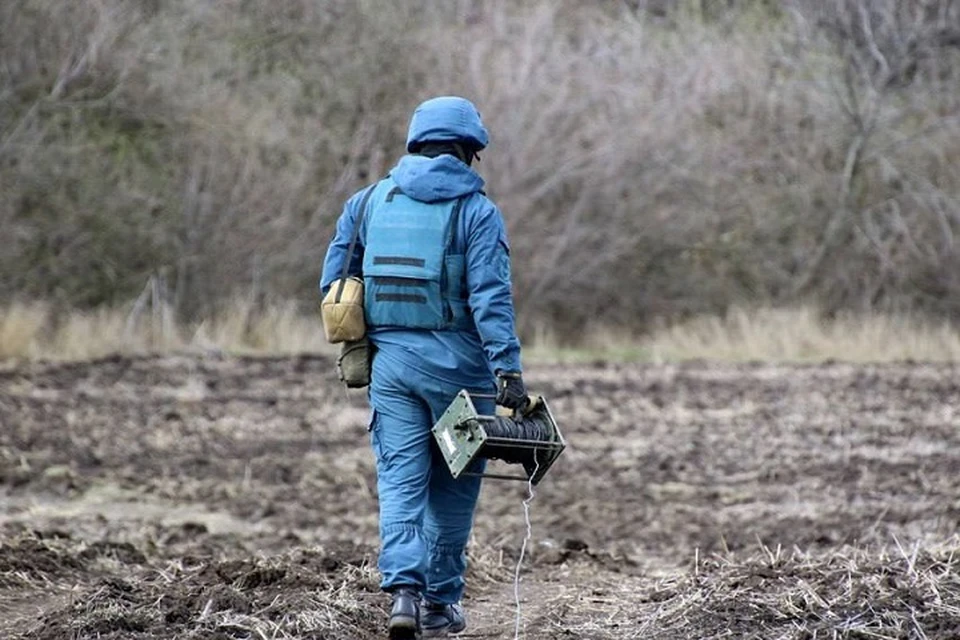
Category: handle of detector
<point>505,412</point>
<point>532,403</point>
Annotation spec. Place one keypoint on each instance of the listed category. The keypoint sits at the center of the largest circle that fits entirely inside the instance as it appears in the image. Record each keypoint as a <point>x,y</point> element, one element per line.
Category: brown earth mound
<point>115,593</point>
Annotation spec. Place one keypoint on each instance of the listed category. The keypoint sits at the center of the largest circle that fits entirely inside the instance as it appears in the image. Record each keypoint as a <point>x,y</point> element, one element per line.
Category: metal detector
<point>530,438</point>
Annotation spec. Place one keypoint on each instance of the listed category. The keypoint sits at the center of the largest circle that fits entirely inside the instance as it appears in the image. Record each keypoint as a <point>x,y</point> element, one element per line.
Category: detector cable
<point>523,547</point>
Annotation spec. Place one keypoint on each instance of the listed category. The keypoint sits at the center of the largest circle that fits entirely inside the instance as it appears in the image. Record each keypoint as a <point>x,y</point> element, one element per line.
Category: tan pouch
<point>342,312</point>
<point>355,363</point>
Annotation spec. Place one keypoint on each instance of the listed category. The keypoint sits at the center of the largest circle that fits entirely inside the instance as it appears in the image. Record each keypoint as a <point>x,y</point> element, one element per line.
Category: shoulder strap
<point>353,241</point>
<point>454,222</point>
<point>451,233</point>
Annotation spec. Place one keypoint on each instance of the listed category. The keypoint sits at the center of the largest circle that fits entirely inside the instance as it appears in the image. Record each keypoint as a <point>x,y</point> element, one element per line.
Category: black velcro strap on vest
<point>400,260</point>
<point>402,282</point>
<point>401,297</point>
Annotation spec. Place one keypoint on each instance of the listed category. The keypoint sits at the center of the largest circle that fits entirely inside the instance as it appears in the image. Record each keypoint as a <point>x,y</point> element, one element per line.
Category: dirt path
<point>571,602</point>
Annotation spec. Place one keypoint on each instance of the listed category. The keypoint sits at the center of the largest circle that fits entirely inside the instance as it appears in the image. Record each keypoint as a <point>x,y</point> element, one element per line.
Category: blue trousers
<point>425,515</point>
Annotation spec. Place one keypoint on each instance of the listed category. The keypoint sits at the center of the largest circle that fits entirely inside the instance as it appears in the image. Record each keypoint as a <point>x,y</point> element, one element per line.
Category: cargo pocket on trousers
<point>374,429</point>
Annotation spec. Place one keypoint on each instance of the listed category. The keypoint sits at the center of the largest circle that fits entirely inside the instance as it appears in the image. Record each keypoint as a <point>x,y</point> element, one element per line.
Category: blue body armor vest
<point>413,278</point>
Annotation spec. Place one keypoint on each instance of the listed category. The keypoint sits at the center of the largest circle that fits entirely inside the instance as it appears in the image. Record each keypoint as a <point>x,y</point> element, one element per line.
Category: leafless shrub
<point>652,159</point>
<point>889,238</point>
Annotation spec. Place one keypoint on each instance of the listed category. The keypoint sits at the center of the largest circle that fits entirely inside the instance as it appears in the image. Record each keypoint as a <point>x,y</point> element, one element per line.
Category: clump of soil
<point>32,557</point>
<point>307,593</point>
<point>850,592</point>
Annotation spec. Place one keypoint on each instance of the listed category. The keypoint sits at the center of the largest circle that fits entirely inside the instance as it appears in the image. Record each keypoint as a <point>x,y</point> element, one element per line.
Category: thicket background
<point>652,159</point>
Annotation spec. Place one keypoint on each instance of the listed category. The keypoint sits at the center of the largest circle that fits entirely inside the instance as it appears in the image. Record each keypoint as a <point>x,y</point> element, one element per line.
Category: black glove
<point>511,393</point>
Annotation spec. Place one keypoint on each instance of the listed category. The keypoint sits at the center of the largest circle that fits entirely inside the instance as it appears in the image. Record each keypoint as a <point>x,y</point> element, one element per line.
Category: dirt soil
<point>221,497</point>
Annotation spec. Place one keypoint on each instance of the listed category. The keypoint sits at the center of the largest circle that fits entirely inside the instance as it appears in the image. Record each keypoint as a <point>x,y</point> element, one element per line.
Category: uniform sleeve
<point>488,288</point>
<point>340,244</point>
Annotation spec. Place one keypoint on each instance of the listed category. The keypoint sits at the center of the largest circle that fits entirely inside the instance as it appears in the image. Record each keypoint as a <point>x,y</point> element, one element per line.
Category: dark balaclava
<point>463,151</point>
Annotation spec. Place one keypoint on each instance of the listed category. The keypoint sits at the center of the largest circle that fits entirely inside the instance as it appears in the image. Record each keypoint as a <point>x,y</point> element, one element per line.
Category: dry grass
<point>801,334</point>
<point>36,331</point>
<point>276,329</point>
<point>902,592</point>
<point>20,328</point>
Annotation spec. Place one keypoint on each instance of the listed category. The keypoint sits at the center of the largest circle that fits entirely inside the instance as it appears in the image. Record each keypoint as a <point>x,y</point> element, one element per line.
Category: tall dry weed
<point>21,328</point>
<point>37,330</point>
<point>803,335</point>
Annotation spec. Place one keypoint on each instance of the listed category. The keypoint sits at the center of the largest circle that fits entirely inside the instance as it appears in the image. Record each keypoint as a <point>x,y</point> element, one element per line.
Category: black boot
<point>404,621</point>
<point>441,620</point>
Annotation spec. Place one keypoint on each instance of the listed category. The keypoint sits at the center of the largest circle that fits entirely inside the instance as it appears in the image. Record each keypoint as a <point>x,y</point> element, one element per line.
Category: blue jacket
<point>492,344</point>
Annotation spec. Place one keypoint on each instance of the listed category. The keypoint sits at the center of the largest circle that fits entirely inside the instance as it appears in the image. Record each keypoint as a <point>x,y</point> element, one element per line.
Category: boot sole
<point>403,628</point>
<point>443,633</point>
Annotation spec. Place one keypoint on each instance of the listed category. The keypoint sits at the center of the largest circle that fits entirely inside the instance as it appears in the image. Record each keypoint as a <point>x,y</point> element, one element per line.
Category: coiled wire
<point>523,429</point>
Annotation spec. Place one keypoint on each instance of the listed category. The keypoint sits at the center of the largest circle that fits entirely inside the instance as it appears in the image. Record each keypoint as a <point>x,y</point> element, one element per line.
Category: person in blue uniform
<point>433,253</point>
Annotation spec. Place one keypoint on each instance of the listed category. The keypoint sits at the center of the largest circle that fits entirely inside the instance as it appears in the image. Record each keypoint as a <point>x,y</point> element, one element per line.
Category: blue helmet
<point>447,119</point>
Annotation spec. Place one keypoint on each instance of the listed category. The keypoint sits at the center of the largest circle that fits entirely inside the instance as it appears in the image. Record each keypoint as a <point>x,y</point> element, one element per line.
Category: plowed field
<point>219,497</point>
